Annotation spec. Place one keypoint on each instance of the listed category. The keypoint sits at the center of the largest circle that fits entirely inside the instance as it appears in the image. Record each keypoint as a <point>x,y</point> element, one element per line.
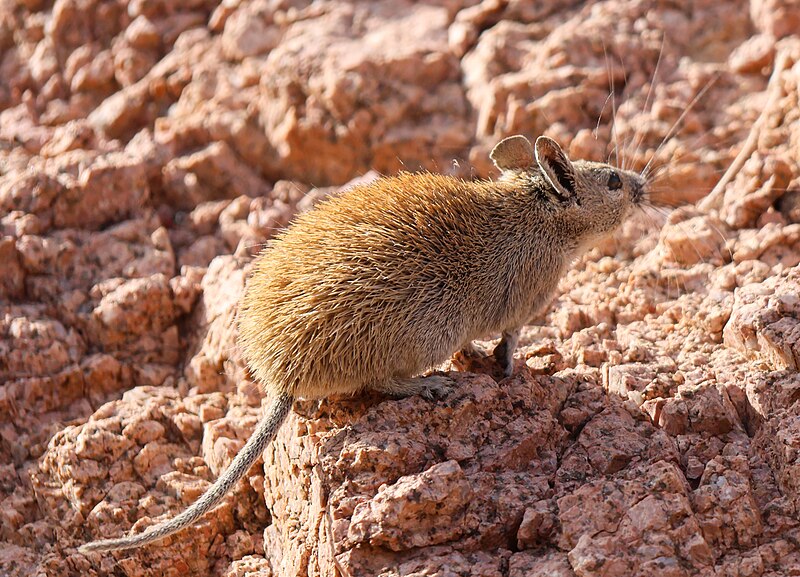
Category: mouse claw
<point>431,388</point>
<point>437,387</point>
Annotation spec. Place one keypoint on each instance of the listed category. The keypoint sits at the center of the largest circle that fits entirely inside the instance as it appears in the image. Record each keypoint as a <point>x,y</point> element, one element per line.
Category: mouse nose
<point>638,192</point>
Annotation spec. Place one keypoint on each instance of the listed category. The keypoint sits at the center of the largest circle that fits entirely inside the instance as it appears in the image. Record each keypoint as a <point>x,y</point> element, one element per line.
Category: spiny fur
<point>381,282</point>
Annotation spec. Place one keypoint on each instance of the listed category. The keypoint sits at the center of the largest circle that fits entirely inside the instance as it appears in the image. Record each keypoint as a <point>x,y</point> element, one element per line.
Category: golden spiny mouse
<point>388,279</point>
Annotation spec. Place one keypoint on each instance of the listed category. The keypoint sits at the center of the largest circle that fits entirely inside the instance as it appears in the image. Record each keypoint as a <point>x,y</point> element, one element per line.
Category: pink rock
<point>211,174</point>
<point>250,31</point>
<point>653,520</point>
<point>109,190</point>
<point>142,33</point>
<point>539,525</point>
<point>529,564</point>
<point>436,500</point>
<point>728,515</point>
<point>12,283</point>
<point>96,75</point>
<point>103,374</point>
<point>186,287</point>
<point>699,239</point>
<point>778,18</point>
<point>35,344</point>
<point>757,186</point>
<point>213,345</point>
<point>122,111</point>
<point>136,319</point>
<point>409,47</point>
<point>753,55</point>
<point>765,320</point>
<point>202,251</point>
<point>130,64</point>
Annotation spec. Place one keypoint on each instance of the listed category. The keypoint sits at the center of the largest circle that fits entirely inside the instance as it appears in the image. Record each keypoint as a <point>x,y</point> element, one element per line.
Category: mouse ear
<point>513,153</point>
<point>556,167</point>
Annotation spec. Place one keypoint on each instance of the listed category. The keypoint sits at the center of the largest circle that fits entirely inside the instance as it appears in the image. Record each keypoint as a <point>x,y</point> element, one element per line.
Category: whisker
<point>677,123</point>
<point>665,213</point>
<point>624,86</point>
<point>727,245</point>
<point>599,118</point>
<point>614,133</point>
<point>773,87</point>
<point>691,147</point>
<point>638,145</point>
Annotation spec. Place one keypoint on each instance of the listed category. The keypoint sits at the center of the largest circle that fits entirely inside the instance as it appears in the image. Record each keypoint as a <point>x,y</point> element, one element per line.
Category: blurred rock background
<point>149,148</point>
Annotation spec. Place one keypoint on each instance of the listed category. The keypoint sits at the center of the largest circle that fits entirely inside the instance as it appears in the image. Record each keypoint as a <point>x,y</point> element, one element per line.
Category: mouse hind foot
<point>473,351</point>
<point>432,387</point>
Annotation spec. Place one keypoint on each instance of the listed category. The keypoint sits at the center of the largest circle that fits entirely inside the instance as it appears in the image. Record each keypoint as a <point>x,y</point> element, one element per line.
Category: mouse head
<point>593,198</point>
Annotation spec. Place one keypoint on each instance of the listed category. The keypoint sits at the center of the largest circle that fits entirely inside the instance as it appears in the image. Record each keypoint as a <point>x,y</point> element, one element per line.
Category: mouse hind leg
<point>504,351</point>
<point>431,387</point>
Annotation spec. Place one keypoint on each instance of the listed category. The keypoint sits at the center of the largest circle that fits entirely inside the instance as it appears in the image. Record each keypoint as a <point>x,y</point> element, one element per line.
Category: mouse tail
<point>261,437</point>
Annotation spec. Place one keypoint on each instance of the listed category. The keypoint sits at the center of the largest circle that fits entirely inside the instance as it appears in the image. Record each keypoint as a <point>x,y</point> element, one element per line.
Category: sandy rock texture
<point>149,149</point>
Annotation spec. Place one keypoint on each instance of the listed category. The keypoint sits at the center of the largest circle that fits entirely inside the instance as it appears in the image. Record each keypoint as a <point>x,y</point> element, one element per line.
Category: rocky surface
<point>148,149</point>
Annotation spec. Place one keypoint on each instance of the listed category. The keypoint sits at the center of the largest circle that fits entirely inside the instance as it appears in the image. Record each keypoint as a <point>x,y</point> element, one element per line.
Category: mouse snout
<point>638,189</point>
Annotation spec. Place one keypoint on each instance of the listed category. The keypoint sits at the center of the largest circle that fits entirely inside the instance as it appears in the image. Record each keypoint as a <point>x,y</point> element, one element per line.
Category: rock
<point>142,33</point>
<point>29,192</point>
<point>249,566</point>
<point>435,501</point>
<point>121,112</point>
<point>136,319</point>
<point>96,75</point>
<point>211,174</point>
<point>440,560</point>
<point>756,187</point>
<point>724,501</point>
<point>250,31</point>
<point>779,438</point>
<point>753,55</point>
<point>527,564</point>
<point>208,368</point>
<point>539,525</point>
<point>385,471</point>
<point>765,323</point>
<point>109,190</point>
<point>653,519</point>
<point>12,283</point>
<point>131,65</point>
<point>789,206</point>
<point>778,18</point>
<point>126,444</point>
<point>40,356</point>
<point>699,239</point>
<point>770,245</point>
<point>202,251</point>
<point>351,106</point>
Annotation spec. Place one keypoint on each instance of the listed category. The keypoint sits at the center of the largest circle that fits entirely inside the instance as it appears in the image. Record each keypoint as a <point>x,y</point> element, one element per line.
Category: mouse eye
<point>614,181</point>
